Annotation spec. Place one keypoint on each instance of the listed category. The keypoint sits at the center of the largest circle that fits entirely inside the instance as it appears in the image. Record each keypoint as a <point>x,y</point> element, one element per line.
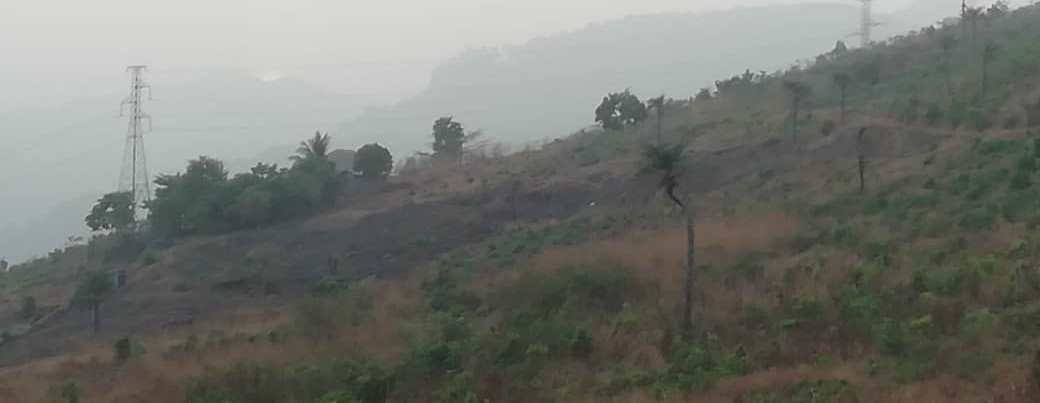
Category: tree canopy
<point>620,109</point>
<point>314,147</point>
<point>113,211</point>
<point>373,161</point>
<point>203,199</point>
<point>448,138</point>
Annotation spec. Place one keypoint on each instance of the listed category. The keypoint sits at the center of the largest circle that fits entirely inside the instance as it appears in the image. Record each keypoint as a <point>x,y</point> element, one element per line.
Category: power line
<point>133,176</point>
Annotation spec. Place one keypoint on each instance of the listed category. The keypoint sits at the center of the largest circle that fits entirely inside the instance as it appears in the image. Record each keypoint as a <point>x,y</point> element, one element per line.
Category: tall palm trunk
<point>843,88</point>
<point>985,74</point>
<point>687,319</point>
<point>794,118</point>
<point>946,74</point>
<point>860,158</point>
<point>660,118</point>
<point>95,318</point>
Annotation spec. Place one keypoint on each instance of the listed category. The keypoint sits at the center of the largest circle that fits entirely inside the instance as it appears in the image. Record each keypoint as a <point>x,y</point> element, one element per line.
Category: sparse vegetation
<point>556,280</point>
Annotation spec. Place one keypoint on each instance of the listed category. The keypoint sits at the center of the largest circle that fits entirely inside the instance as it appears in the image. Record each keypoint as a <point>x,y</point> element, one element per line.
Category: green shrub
<point>581,289</point>
<point>749,267</point>
<point>445,294</point>
<point>933,114</point>
<point>997,147</point>
<point>1019,205</point>
<point>692,368</point>
<point>338,397</point>
<point>436,358</point>
<point>820,391</point>
<point>329,381</point>
<point>69,392</point>
<point>459,388</point>
<point>1021,180</point>
<point>976,219</point>
<point>945,282</point>
<point>827,127</point>
<point>581,344</point>
<point>28,309</point>
<point>122,350</point>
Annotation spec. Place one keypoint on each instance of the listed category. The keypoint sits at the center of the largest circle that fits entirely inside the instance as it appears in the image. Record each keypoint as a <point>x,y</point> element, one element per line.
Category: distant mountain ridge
<point>557,80</point>
<point>228,115</point>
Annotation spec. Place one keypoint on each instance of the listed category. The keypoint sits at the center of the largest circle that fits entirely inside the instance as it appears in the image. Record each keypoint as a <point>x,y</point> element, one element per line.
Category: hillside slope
<point>554,275</point>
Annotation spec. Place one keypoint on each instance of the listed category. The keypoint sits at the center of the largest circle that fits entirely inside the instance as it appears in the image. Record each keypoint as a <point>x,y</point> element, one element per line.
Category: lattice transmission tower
<point>866,23</point>
<point>133,176</point>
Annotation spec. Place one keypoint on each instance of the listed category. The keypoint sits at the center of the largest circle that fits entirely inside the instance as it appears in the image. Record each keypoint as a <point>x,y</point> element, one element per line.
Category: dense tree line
<point>206,199</point>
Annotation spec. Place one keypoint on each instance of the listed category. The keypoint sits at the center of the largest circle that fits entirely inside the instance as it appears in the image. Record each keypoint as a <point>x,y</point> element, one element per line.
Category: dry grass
<point>159,375</point>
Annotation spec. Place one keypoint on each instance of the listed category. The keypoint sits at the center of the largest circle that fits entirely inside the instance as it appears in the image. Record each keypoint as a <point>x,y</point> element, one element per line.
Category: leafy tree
<point>657,104</point>
<point>842,80</point>
<point>314,147</point>
<point>254,207</point>
<point>192,201</point>
<point>114,211</point>
<point>620,109</point>
<point>989,53</point>
<point>607,113</point>
<point>91,293</point>
<point>667,161</point>
<point>631,110</point>
<point>798,92</point>
<point>373,161</point>
<point>448,138</point>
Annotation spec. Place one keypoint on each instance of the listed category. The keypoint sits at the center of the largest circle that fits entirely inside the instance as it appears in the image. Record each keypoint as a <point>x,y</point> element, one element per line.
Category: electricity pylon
<point>133,177</point>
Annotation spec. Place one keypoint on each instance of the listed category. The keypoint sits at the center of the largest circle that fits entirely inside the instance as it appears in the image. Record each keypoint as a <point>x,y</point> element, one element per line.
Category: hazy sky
<point>384,49</point>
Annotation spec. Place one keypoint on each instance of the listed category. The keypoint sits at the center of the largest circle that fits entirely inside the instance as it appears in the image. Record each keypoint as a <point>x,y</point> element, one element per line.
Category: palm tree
<point>657,104</point>
<point>989,53</point>
<point>842,80</point>
<point>667,160</point>
<point>860,159</point>
<point>314,147</point>
<point>798,91</point>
